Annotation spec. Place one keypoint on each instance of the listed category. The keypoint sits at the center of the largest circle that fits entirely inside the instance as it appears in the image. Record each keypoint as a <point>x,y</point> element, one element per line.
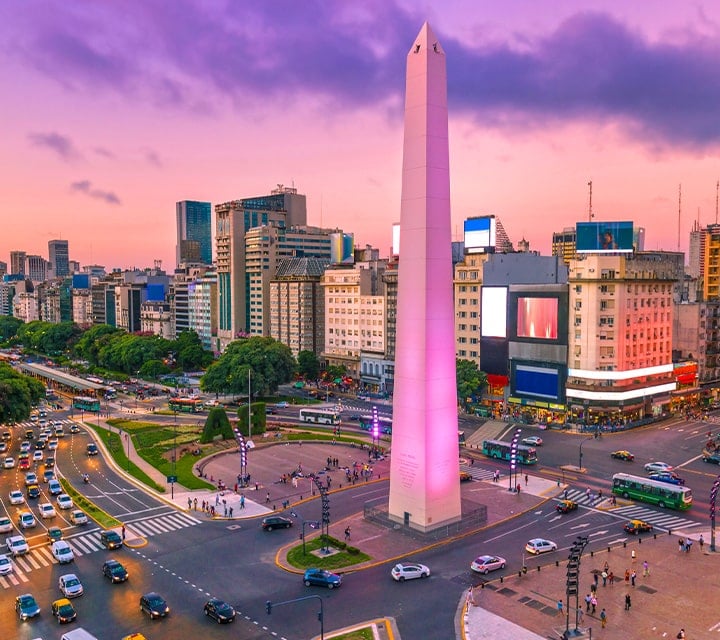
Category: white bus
<point>320,416</point>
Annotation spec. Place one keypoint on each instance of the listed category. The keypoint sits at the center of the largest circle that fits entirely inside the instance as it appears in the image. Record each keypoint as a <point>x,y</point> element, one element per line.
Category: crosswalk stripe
<point>143,528</point>
<point>21,562</point>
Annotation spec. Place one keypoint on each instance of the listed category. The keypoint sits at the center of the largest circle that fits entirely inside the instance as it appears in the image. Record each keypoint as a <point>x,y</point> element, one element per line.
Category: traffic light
<point>268,607</point>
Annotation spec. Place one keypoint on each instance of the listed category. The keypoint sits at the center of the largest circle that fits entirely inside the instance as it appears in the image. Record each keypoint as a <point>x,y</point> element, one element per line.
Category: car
<point>540,545</point>
<point>219,611</point>
<point>465,476</point>
<point>62,552</point>
<point>9,462</point>
<point>54,487</point>
<point>3,447</point>
<point>78,517</point>
<point>6,435</point>
<point>154,605</point>
<point>623,455</point>
<point>114,571</point>
<point>48,475</point>
<point>26,606</point>
<point>59,431</point>
<point>657,466</point>
<point>74,428</point>
<point>33,418</point>
<point>16,497</point>
<point>52,444</point>
<point>6,525</point>
<point>40,444</point>
<point>282,405</point>
<point>26,520</point>
<point>17,545</point>
<point>566,506</point>
<point>321,578</point>
<point>270,411</point>
<point>667,476</point>
<point>484,564</point>
<point>70,585</point>
<point>637,526</point>
<point>37,456</point>
<point>25,446</point>
<point>276,522</point>
<point>6,565</point>
<point>91,449</point>
<point>63,610</point>
<point>532,441</point>
<point>50,462</point>
<point>24,462</point>
<point>408,571</point>
<point>33,491</point>
<point>54,534</point>
<point>111,540</point>
<point>64,501</point>
<point>355,417</point>
<point>46,510</point>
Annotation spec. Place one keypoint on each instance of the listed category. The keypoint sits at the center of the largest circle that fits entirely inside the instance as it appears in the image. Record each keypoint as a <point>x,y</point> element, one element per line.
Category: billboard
<point>537,318</point>
<point>480,234</point>
<point>537,381</point>
<point>604,237</point>
<point>342,247</point>
<point>493,312</point>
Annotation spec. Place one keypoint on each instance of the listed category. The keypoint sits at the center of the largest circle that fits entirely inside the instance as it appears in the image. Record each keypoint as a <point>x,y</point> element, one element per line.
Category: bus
<point>662,494</point>
<point>385,424</point>
<point>86,403</point>
<point>185,405</point>
<point>319,416</point>
<point>501,451</point>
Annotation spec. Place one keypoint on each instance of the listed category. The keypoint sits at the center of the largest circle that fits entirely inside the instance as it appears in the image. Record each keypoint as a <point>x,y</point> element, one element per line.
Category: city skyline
<point>116,117</point>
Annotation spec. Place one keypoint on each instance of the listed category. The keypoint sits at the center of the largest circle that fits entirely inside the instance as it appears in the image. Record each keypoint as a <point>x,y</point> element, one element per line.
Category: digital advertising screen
<point>493,312</point>
<point>480,234</point>
<point>604,237</point>
<point>536,381</point>
<point>537,318</point>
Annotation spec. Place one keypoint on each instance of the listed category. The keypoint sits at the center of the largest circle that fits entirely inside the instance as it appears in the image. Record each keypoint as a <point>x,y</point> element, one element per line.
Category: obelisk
<point>424,468</point>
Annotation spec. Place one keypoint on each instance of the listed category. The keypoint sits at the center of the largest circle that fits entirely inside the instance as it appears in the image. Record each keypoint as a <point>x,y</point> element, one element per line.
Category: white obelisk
<point>424,469</point>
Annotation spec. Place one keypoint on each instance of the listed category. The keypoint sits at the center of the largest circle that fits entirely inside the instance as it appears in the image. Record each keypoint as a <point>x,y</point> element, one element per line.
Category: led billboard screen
<point>537,318</point>
<point>493,312</point>
<point>535,381</point>
<point>604,237</point>
<point>480,234</point>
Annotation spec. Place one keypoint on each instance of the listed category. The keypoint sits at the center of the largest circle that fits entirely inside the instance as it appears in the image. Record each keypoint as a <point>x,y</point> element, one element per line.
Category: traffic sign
<point>172,479</point>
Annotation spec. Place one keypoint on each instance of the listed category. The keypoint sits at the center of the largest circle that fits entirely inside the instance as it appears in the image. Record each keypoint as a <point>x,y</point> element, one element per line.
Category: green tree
<point>9,327</point>
<point>470,380</point>
<point>308,365</point>
<point>217,423</point>
<point>153,369</point>
<point>333,372</point>
<point>94,340</point>
<point>18,393</point>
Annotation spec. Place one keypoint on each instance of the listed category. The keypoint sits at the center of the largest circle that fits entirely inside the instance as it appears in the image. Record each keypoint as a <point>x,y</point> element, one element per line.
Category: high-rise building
<point>202,309</point>
<point>284,207</point>
<point>18,262</point>
<point>194,242</point>
<point>58,252</point>
<point>467,284</point>
<point>37,268</point>
<point>563,244</point>
<point>424,491</point>
<point>3,268</point>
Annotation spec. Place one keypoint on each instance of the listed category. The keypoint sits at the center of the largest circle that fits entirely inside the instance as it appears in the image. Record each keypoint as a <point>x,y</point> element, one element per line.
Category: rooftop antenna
<point>591,215</point>
<point>717,192</point>
<point>679,210</point>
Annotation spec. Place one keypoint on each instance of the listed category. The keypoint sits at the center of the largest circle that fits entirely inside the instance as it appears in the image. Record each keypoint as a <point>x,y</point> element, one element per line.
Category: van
<point>77,634</point>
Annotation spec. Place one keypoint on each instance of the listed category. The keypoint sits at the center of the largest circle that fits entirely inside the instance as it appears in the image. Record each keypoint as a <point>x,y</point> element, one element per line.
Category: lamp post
<point>313,524</point>
<point>581,453</point>
<point>249,409</point>
<point>174,456</point>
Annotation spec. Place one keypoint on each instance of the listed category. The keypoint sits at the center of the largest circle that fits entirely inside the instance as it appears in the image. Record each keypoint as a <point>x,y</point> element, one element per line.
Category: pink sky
<point>112,112</point>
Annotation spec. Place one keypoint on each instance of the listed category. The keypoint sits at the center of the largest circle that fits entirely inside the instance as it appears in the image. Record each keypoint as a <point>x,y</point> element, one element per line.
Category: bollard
<point>609,549</point>
<point>524,570</point>
<point>519,574</point>
<point>654,536</point>
<point>592,554</point>
<point>625,545</point>
<point>501,581</point>
<point>557,563</point>
<point>639,540</point>
<point>538,568</point>
<point>482,585</point>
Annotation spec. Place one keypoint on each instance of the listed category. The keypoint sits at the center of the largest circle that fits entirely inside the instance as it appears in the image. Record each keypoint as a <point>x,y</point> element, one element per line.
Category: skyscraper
<point>194,243</point>
<point>424,486</point>
<point>18,262</point>
<point>59,254</point>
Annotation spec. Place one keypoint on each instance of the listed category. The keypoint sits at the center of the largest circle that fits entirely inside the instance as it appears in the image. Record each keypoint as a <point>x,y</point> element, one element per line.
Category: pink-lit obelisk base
<point>424,481</point>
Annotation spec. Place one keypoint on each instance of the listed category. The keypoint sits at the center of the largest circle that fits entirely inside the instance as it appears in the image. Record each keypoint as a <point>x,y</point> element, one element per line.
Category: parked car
<point>484,564</point>
<point>566,506</point>
<point>321,578</point>
<point>532,441</point>
<point>657,466</point>
<point>409,571</point>
<point>62,552</point>
<point>115,571</point>
<point>623,455</point>
<point>637,526</point>
<point>154,605</point>
<point>276,522</point>
<point>70,585</point>
<point>219,611</point>
<point>26,606</point>
<point>63,610</point>
<point>667,476</point>
<point>540,545</point>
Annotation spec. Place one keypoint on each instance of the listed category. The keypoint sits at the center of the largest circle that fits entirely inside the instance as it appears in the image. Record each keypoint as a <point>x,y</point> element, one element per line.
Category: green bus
<point>86,403</point>
<point>501,451</point>
<point>384,424</point>
<point>662,494</point>
<point>185,405</point>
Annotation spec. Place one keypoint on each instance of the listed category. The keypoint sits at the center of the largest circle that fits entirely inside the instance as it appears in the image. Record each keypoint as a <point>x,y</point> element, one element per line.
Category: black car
<point>154,605</point>
<point>91,449</point>
<point>276,522</point>
<point>110,540</point>
<point>219,610</point>
<point>113,570</point>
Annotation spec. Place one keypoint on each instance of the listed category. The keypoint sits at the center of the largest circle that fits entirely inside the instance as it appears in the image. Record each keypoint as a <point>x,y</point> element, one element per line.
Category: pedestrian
<point>527,479</point>
<point>565,494</point>
<point>588,599</point>
<point>195,503</point>
<point>606,567</point>
<point>347,533</point>
<point>646,568</point>
<point>217,499</point>
<point>203,506</point>
<point>580,614</point>
<point>560,606</point>
<point>596,578</point>
<point>231,511</point>
<point>242,501</point>
<point>267,497</point>
<point>633,575</point>
<point>681,545</point>
<point>632,555</point>
<point>681,634</point>
<point>628,602</point>
<point>604,577</point>
<point>688,545</point>
<point>123,533</point>
<point>225,510</point>
<point>701,542</point>
<point>603,618</point>
<point>189,503</point>
<point>587,492</point>
<point>593,603</point>
<point>611,578</point>
<point>517,488</point>
<point>627,576</point>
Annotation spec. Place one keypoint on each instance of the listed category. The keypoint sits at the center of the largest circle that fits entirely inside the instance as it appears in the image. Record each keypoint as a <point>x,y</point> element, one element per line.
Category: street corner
<point>380,628</point>
<point>132,539</point>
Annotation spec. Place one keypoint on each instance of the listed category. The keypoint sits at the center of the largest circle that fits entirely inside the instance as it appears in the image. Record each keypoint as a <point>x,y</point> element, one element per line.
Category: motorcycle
<point>86,478</point>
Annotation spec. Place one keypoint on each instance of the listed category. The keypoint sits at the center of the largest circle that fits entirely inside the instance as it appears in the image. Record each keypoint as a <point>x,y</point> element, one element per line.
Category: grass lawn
<point>105,520</point>
<point>344,558</point>
<point>366,633</point>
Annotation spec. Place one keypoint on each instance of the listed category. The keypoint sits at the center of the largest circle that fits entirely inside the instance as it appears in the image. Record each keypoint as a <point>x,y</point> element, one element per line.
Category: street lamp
<point>313,524</point>
<point>581,453</point>
<point>174,457</point>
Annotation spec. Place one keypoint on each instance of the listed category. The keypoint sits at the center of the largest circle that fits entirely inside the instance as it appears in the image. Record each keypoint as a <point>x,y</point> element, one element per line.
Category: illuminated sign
<point>537,318</point>
<point>480,234</point>
<point>493,315</point>
<point>604,237</point>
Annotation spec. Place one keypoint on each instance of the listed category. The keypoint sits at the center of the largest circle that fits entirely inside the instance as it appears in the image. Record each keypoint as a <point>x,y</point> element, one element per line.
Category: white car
<point>17,545</point>
<point>46,510</point>
<point>484,564</point>
<point>37,456</point>
<point>52,444</point>
<point>78,517</point>
<point>540,545</point>
<point>62,551</point>
<point>6,525</point>
<point>532,441</point>
<point>6,565</point>
<point>16,497</point>
<point>9,462</point>
<point>26,520</point>
<point>408,571</point>
<point>30,478</point>
<point>653,467</point>
<point>64,501</point>
<point>70,585</point>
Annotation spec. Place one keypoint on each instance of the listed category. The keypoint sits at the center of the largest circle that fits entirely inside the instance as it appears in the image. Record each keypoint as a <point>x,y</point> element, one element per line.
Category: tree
<point>217,423</point>
<point>470,380</point>
<point>333,372</point>
<point>189,352</point>
<point>94,340</point>
<point>9,326</point>
<point>308,365</point>
<point>18,393</point>
<point>153,369</point>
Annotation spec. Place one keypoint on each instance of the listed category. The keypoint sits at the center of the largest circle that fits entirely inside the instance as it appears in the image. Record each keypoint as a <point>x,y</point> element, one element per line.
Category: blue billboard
<point>604,237</point>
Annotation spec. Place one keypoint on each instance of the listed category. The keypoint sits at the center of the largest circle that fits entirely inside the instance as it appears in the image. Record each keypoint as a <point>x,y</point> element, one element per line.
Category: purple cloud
<point>152,158</point>
<point>103,152</point>
<point>60,144</point>
<point>85,186</point>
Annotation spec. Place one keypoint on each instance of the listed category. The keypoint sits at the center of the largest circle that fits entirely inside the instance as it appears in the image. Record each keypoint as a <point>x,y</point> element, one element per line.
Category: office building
<point>563,244</point>
<point>59,254</point>
<point>202,309</point>
<point>194,242</point>
<point>37,268</point>
<point>467,283</point>
<point>18,262</point>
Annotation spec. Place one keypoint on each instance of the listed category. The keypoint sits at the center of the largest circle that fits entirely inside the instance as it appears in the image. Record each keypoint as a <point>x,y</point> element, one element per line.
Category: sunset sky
<point>113,111</point>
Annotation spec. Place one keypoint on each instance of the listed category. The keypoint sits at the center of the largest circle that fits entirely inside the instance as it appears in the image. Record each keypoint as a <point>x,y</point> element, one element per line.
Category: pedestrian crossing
<point>89,542</point>
<point>478,473</point>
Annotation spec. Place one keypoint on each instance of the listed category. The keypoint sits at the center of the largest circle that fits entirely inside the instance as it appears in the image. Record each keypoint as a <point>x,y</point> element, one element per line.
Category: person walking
<point>347,533</point>
<point>681,634</point>
<point>633,575</point>
<point>611,578</point>
<point>596,578</point>
<point>604,577</point>
<point>580,614</point>
<point>603,618</point>
<point>527,479</point>
<point>701,542</point>
<point>242,501</point>
<point>646,569</point>
<point>681,544</point>
<point>560,607</point>
<point>627,576</point>
<point>588,599</point>
<point>593,603</point>
<point>267,497</point>
<point>628,602</point>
